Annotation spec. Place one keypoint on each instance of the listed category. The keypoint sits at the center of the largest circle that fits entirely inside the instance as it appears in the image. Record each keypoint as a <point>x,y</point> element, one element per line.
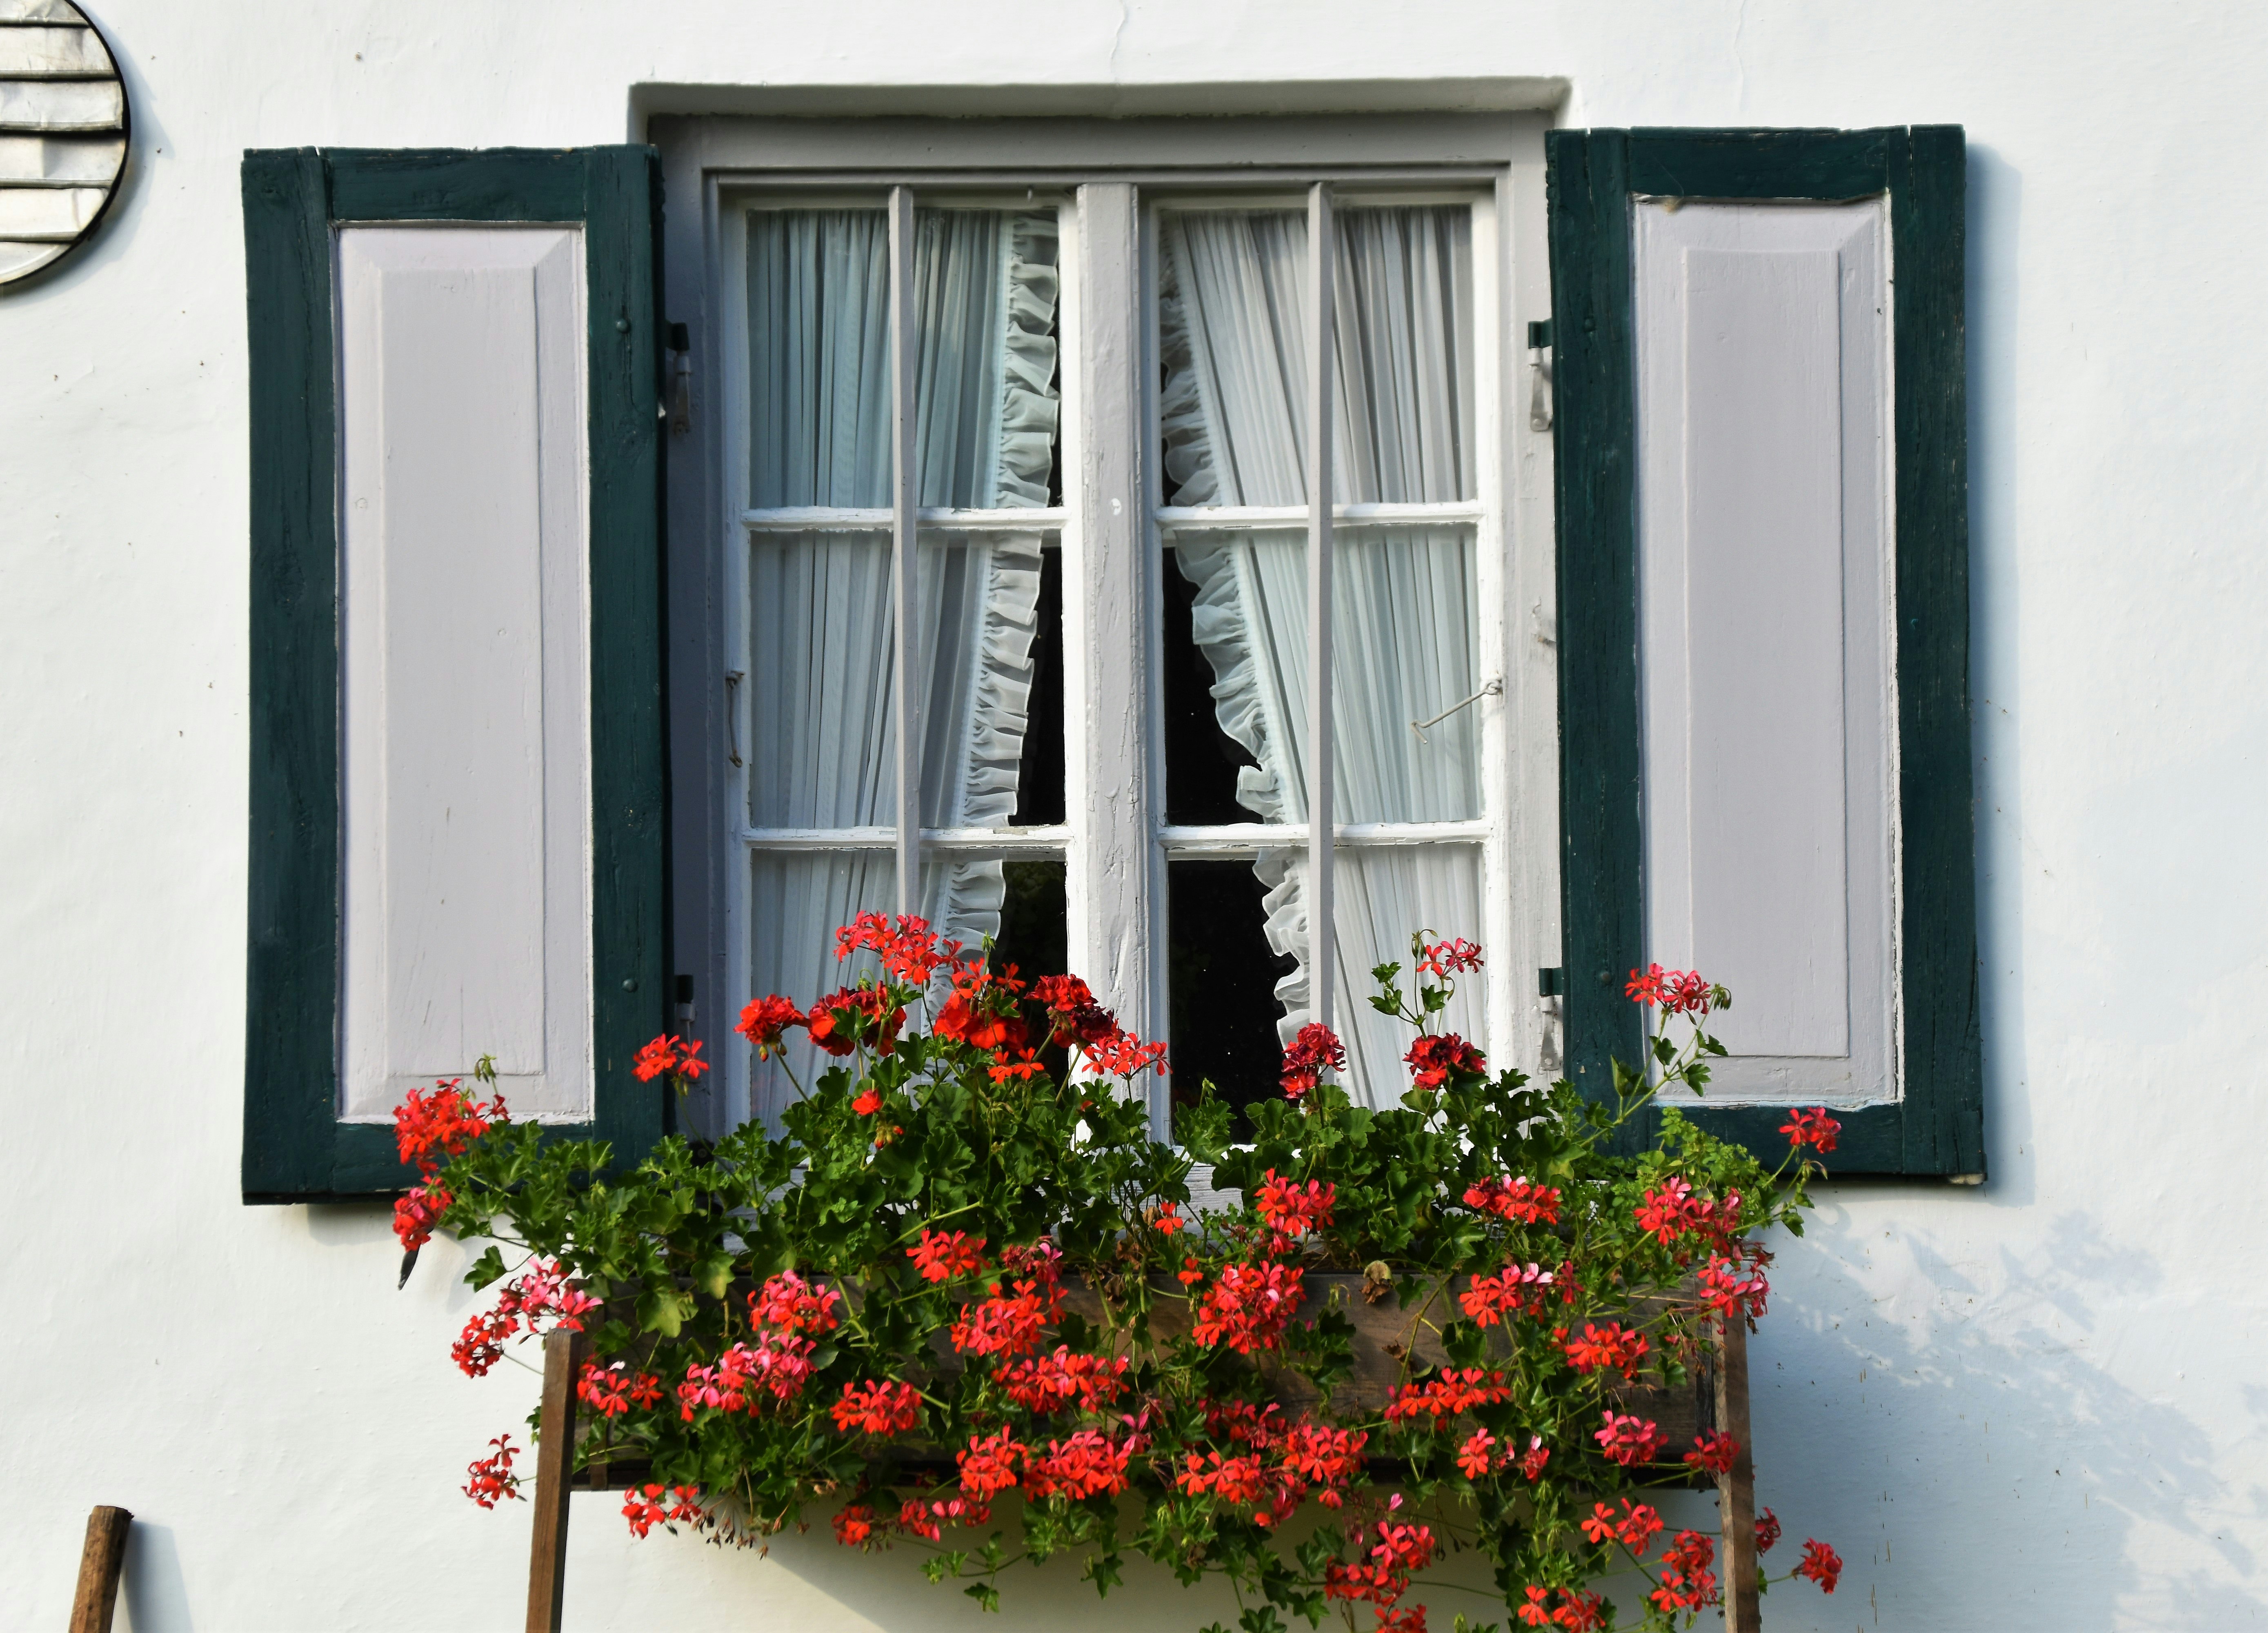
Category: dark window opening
<point>1201,760</point>
<point>1221,979</point>
<point>1039,775</point>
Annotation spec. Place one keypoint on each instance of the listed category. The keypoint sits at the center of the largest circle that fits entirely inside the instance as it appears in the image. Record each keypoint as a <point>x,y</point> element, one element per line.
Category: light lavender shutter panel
<point>1766,686</point>
<point>466,745</point>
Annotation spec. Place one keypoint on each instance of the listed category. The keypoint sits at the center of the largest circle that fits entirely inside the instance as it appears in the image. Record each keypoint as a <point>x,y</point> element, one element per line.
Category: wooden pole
<point>555,1466</point>
<point>100,1563</point>
<point>1736,1489</point>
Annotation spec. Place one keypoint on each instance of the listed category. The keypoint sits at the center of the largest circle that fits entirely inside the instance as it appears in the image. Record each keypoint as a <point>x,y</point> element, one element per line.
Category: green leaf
<point>664,1310</point>
<point>486,1268</point>
<point>714,1273</point>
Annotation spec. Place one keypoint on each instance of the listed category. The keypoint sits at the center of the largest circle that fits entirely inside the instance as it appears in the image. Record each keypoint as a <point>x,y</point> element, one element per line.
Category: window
<point>1183,603</point>
<point>1095,740</point>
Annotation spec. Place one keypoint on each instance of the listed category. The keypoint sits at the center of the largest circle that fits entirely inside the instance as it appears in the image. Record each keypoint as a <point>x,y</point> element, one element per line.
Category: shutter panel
<point>1763,562</point>
<point>459,804</point>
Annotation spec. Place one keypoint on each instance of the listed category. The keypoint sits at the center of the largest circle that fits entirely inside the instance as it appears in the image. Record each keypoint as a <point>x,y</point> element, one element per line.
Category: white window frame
<point>1116,174</point>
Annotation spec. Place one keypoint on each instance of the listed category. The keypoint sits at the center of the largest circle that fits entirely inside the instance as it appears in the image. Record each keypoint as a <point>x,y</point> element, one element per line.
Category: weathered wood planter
<point>1386,1333</point>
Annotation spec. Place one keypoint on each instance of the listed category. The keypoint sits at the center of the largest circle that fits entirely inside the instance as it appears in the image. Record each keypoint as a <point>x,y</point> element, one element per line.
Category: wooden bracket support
<point>100,1563</point>
<point>1736,1489</point>
<point>555,1467</point>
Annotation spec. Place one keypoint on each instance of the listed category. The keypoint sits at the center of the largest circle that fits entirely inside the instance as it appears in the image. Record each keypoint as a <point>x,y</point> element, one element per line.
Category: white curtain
<point>823,742</point>
<point>1405,616</point>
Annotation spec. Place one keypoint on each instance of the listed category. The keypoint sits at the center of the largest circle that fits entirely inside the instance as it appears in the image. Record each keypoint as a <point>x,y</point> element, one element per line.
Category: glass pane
<point>1233,327</point>
<point>1405,630</point>
<point>1201,761</point>
<point>1403,423</point>
<point>797,902</point>
<point>1019,904</point>
<point>1040,793</point>
<point>1222,976</point>
<point>822,744</point>
<point>982,597</point>
<point>818,358</point>
<point>1247,618</point>
<point>985,292</point>
<point>1385,893</point>
<point>1033,938</point>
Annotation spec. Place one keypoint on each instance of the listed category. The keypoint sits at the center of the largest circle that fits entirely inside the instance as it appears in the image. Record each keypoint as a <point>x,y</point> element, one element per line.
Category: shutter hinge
<point>1551,981</point>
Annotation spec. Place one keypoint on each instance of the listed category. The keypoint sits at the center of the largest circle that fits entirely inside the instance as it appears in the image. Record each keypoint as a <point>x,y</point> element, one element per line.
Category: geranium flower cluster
<point>650,1505</point>
<point>1520,1200</point>
<point>542,1291</point>
<point>1291,1210</point>
<point>489,1479</point>
<point>1065,1381</point>
<point>1575,1609</point>
<point>1515,1289</point>
<point>1628,1440</point>
<point>1247,1306</point>
<point>1683,1220</point>
<point>1611,1348</point>
<point>1315,1051</point>
<point>1686,1582</point>
<point>611,1391</point>
<point>671,1055</point>
<point>1676,991</point>
<point>428,1129</point>
<point>961,1278</point>
<point>888,1407</point>
<point>1813,1128</point>
<point>775,1366</point>
<point>787,1303</point>
<point>1436,1059</point>
<point>1446,1397</point>
<point>1392,1551</point>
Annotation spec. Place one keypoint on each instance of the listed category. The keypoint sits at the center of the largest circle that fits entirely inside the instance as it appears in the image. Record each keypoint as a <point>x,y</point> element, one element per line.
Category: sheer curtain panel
<point>1405,636</point>
<point>822,652</point>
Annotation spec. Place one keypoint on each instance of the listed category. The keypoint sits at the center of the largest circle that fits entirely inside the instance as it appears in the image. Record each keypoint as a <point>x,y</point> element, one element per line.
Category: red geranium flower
<point>1317,1049</point>
<point>1811,1128</point>
<point>765,1020</point>
<point>1433,1061</point>
<point>940,1257</point>
<point>1821,1564</point>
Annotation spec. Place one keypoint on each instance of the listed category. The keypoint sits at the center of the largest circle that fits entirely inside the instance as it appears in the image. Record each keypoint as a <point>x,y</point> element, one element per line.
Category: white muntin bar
<point>996,841</point>
<point>1244,839</point>
<point>825,519</point>
<point>1225,518</point>
<point>1321,280</point>
<point>904,473</point>
<point>1114,900</point>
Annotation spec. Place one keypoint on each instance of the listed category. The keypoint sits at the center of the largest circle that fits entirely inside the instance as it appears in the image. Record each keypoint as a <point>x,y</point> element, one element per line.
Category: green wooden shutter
<point>297,1143</point>
<point>1931,1121</point>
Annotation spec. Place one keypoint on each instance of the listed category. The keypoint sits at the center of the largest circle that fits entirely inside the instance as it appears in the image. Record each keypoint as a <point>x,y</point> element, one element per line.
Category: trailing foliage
<point>965,1276</point>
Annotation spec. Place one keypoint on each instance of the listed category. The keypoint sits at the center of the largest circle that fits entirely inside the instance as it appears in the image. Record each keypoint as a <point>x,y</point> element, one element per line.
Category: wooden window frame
<point>1935,1125</point>
<point>1113,173</point>
<point>296,1148</point>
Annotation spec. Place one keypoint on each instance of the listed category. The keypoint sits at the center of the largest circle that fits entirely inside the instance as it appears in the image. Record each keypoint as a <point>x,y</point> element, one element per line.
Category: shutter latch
<point>1539,376</point>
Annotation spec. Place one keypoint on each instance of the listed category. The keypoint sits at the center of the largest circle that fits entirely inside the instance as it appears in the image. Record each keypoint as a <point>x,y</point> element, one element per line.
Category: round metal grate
<point>62,132</point>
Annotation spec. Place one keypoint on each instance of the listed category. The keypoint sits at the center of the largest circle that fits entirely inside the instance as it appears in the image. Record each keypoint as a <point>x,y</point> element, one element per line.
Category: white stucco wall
<point>2037,1404</point>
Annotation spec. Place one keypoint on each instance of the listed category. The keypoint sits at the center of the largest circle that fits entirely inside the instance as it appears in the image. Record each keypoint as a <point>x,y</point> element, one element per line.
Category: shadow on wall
<point>886,1589</point>
<point>2015,1480</point>
<point>1992,276</point>
<point>151,1591</point>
